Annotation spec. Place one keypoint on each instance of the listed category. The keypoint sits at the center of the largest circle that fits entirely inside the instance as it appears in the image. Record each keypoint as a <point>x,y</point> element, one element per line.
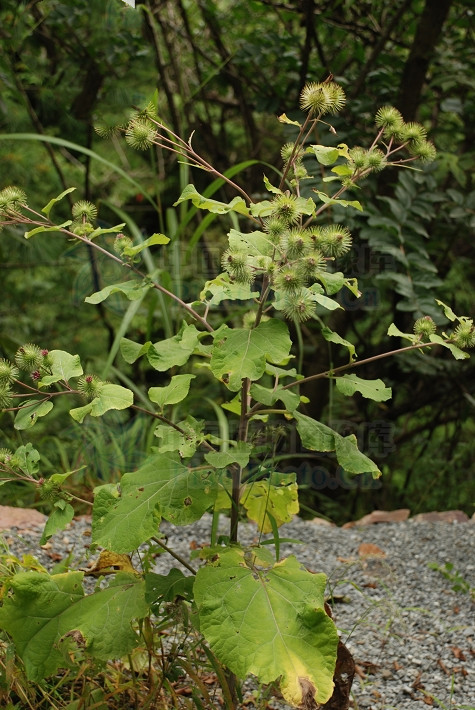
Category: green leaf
<point>318,437</point>
<point>271,188</point>
<point>47,208</point>
<point>269,622</point>
<point>241,353</point>
<point>150,242</point>
<point>45,228</point>
<point>262,208</point>
<point>280,372</point>
<point>352,459</point>
<point>333,282</point>
<point>64,366</point>
<point>105,230</point>
<point>62,514</point>
<point>324,154</point>
<point>168,588</point>
<point>124,519</point>
<point>332,337</point>
<point>394,330</point>
<point>448,312</point>
<point>26,459</point>
<point>342,170</point>
<point>185,442</point>
<point>277,496</point>
<point>343,203</point>
<point>371,389</point>
<point>133,290</point>
<point>110,397</point>
<point>30,412</point>
<point>456,352</point>
<point>206,203</point>
<point>131,351</point>
<point>324,301</point>
<point>222,289</point>
<point>238,454</point>
<point>173,351</point>
<point>42,609</point>
<point>315,435</point>
<point>173,393</point>
<point>269,396</point>
<point>254,243</point>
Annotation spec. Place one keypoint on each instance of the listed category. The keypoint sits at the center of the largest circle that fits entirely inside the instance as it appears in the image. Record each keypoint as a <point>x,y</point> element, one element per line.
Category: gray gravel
<point>411,634</point>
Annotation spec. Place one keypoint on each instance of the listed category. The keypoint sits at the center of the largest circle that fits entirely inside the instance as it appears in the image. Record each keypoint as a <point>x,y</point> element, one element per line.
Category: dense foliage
<point>66,68</point>
<point>217,373</point>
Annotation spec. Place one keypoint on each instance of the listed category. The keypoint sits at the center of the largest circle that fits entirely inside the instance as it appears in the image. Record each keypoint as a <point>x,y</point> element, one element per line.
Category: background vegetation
<point>225,70</point>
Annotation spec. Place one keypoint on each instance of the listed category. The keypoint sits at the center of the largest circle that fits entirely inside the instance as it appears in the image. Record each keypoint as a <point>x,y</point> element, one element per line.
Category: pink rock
<point>381,516</point>
<point>445,516</point>
<point>23,518</point>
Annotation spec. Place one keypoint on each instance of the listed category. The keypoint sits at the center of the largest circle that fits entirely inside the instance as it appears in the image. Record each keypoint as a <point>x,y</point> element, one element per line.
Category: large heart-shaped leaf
<point>241,353</point>
<point>269,620</point>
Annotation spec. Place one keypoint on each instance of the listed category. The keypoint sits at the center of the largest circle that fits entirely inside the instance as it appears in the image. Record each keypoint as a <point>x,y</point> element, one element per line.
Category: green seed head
<point>90,386</point>
<point>391,120</point>
<point>236,264</point>
<point>295,243</point>
<point>284,209</point>
<point>288,279</point>
<point>299,306</point>
<point>12,199</point>
<point>425,327</point>
<point>121,243</point>
<point>5,456</point>
<point>84,211</point>
<point>140,133</point>
<point>5,396</point>
<point>335,241</point>
<point>464,334</point>
<point>29,358</point>
<point>321,98</point>
<point>8,372</point>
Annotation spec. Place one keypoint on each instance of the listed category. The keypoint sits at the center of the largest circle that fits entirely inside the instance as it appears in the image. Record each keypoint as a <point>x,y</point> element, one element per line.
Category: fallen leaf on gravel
<point>443,666</point>
<point>367,549</point>
<point>458,653</point>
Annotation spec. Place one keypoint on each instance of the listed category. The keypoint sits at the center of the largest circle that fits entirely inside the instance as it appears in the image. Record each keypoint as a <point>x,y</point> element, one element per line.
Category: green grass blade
<point>80,149</point>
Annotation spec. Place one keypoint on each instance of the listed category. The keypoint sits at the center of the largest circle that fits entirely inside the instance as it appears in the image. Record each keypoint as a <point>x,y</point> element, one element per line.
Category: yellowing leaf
<point>284,119</point>
<point>276,496</point>
<point>110,563</point>
<point>269,621</point>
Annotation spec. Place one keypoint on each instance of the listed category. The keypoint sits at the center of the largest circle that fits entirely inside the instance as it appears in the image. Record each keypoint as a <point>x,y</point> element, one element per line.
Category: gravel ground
<point>412,635</point>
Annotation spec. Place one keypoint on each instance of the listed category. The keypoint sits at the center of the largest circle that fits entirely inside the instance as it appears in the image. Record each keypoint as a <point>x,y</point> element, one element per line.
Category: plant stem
<point>329,373</point>
<point>174,554</point>
<point>237,470</point>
